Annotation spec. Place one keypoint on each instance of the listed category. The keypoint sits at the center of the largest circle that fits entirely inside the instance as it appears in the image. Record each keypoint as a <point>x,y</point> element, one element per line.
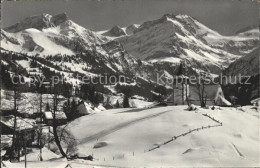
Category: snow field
<point>123,138</point>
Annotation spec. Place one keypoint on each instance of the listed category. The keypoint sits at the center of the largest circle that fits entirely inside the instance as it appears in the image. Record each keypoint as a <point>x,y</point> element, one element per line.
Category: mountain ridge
<point>183,37</point>
<point>38,22</point>
<point>167,40</point>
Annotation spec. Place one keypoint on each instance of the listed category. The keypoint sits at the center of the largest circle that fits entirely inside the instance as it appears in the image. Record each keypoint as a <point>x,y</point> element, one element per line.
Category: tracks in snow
<point>237,151</point>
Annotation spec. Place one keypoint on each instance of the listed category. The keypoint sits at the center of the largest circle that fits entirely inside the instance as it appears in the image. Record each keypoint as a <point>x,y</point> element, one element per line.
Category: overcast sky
<point>225,16</point>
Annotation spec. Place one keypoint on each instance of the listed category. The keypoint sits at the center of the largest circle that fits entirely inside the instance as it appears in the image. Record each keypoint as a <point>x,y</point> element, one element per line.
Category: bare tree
<point>40,89</point>
<point>54,125</point>
<point>17,100</point>
<point>69,140</point>
<point>202,80</point>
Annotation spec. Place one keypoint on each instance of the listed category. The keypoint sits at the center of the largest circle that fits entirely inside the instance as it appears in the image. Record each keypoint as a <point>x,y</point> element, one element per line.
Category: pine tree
<point>47,108</point>
<point>73,106</point>
<point>92,94</point>
<point>6,78</point>
<point>126,101</point>
<point>117,104</point>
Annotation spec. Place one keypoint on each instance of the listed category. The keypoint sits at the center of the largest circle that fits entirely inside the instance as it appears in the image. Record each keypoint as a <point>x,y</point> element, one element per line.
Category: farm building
<point>35,71</point>
<point>82,109</point>
<point>60,118</point>
<point>85,108</point>
<point>25,131</point>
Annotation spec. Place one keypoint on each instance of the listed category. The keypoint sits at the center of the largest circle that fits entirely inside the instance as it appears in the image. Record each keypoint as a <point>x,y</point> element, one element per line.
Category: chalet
<point>85,108</point>
<point>82,109</point>
<point>35,71</point>
<point>6,129</point>
<point>22,123</point>
<point>24,134</point>
<point>60,118</point>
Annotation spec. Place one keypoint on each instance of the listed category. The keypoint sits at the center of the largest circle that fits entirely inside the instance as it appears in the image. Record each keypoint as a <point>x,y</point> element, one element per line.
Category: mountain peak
<point>116,31</point>
<point>116,27</point>
<point>168,15</point>
<point>60,18</point>
<point>39,22</point>
<point>163,19</point>
<point>131,29</point>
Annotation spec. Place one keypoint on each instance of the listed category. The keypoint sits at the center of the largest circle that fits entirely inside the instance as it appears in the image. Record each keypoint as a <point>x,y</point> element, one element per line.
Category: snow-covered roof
<point>58,115</point>
<point>22,123</point>
<point>223,101</point>
<point>82,108</point>
<point>255,100</point>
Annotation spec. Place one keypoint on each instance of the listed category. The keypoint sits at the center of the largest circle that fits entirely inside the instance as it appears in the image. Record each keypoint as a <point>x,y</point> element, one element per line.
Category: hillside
<point>119,144</point>
<point>248,65</point>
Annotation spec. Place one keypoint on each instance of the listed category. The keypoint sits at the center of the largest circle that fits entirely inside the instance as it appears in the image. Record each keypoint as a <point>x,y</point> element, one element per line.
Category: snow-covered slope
<point>49,35</point>
<point>239,44</point>
<point>123,137</point>
<point>60,41</point>
<point>174,38</point>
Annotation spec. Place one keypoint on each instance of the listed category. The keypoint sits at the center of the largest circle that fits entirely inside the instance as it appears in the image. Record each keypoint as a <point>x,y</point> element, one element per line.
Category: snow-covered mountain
<point>49,35</point>
<point>175,38</point>
<point>58,36</point>
<point>157,46</point>
<point>62,47</point>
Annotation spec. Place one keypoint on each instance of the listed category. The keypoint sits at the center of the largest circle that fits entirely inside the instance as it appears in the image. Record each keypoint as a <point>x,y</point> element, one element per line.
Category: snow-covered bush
<point>192,107</point>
